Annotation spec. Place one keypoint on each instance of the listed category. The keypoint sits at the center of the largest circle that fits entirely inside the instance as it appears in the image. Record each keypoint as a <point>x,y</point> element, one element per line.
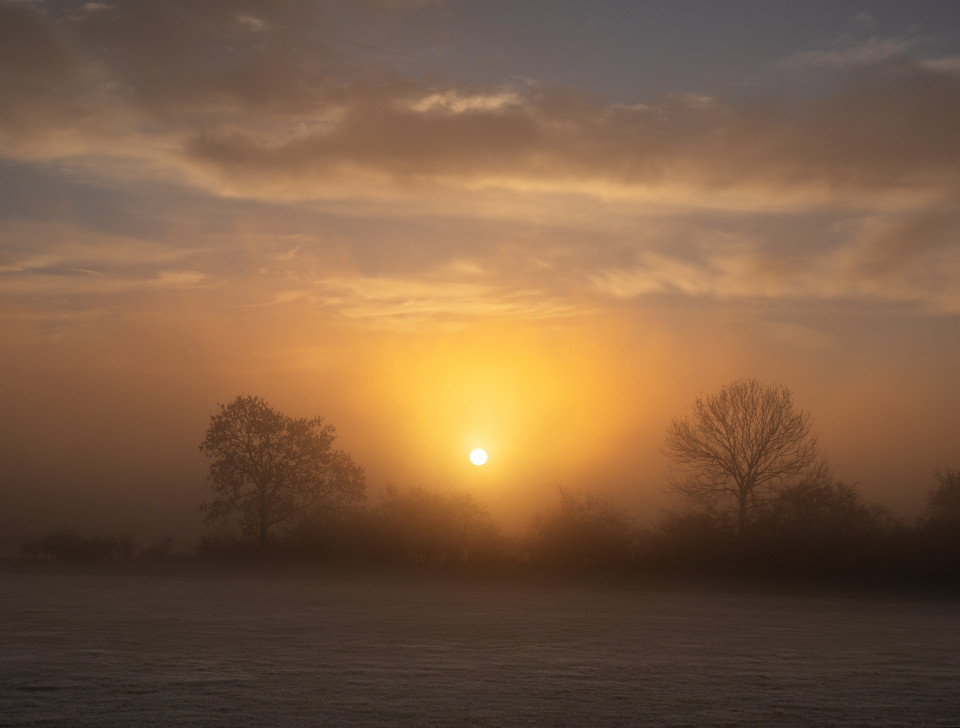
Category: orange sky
<point>440,234</point>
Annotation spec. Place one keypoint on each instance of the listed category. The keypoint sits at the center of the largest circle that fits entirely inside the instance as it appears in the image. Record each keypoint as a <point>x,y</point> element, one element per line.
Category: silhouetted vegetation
<point>163,549</point>
<point>738,447</point>
<point>270,469</point>
<point>938,529</point>
<point>72,546</point>
<point>420,526</point>
<point>942,511</point>
<point>821,528</point>
<point>583,530</point>
<point>693,541</point>
<point>760,504</point>
<point>810,530</point>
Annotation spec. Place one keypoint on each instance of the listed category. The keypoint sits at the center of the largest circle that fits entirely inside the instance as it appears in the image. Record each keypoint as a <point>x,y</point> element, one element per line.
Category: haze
<point>539,228</point>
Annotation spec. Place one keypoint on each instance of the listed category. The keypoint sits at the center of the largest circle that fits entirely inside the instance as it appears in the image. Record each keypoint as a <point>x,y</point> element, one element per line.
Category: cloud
<point>252,22</point>
<point>888,244</point>
<point>852,53</point>
<point>455,103</point>
<point>849,53</point>
<point>249,100</point>
<point>455,291</point>
<point>240,100</point>
<point>57,267</point>
<point>911,260</point>
<point>391,302</point>
<point>893,136</point>
<point>61,282</point>
<point>654,274</point>
<point>945,64</point>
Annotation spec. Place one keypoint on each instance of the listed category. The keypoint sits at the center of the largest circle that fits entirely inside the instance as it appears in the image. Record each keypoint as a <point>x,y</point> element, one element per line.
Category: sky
<point>541,228</point>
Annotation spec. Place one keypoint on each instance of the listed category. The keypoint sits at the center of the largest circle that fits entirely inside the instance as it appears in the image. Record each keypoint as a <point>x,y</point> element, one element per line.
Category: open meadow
<point>84,648</point>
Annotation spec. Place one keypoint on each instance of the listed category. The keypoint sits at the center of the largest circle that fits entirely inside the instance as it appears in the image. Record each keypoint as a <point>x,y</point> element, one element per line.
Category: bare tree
<point>740,445</point>
<point>269,467</point>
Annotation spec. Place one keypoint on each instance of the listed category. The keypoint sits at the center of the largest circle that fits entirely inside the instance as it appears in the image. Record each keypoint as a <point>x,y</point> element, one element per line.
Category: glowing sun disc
<point>478,456</point>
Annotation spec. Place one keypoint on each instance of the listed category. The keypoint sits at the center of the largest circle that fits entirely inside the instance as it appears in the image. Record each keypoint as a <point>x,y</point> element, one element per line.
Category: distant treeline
<point>69,545</point>
<point>810,530</point>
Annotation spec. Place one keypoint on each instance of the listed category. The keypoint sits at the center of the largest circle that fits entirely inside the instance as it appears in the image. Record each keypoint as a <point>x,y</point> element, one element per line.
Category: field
<point>108,649</point>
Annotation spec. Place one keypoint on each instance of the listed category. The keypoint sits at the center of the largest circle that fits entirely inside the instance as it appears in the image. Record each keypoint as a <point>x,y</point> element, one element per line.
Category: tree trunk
<point>742,516</point>
<point>264,523</point>
<point>740,553</point>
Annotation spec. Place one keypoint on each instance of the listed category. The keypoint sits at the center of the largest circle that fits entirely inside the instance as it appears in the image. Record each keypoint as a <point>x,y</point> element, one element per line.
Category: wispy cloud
<point>391,301</point>
<point>252,22</point>
<point>882,260</point>
<point>453,102</point>
<point>61,282</point>
<point>946,64</point>
<point>849,52</point>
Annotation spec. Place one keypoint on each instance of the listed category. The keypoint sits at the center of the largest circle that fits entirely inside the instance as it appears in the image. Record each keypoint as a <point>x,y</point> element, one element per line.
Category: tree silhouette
<point>943,502</point>
<point>822,527</point>
<point>938,527</point>
<point>423,526</point>
<point>738,446</point>
<point>583,530</point>
<point>269,467</point>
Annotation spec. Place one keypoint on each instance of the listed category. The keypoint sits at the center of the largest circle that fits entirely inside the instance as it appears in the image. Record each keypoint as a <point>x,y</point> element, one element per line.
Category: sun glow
<point>478,456</point>
<point>538,404</point>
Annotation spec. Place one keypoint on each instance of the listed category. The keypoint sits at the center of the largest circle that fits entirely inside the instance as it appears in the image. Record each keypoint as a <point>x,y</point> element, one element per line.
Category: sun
<point>478,456</point>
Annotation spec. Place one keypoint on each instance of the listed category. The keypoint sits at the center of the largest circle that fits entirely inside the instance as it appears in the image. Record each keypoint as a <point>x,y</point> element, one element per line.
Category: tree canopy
<point>269,468</point>
<point>738,446</point>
